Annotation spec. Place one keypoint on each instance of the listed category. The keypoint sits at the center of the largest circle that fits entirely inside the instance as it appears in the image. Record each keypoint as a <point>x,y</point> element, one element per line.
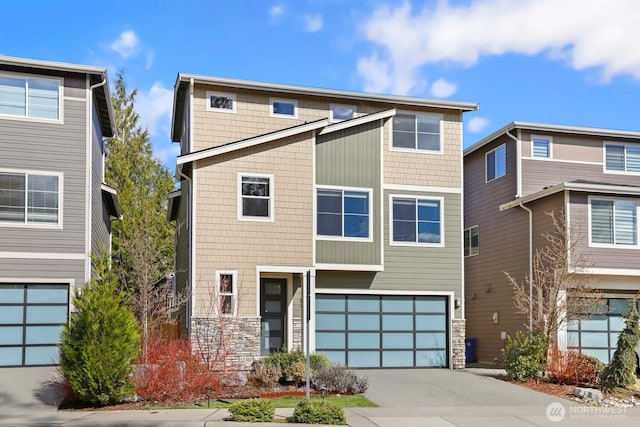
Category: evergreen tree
<point>143,249</point>
<point>622,369</point>
<point>101,341</point>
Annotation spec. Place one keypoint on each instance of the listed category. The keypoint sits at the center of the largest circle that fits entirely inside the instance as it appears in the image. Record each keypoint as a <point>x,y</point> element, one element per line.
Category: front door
<point>273,309</point>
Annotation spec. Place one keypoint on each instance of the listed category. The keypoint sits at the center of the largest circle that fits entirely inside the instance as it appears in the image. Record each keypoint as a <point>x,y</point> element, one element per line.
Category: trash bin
<point>470,350</point>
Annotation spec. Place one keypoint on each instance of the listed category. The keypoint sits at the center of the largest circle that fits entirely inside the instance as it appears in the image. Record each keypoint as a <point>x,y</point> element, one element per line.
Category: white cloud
<point>275,12</point>
<point>477,124</point>
<point>166,153</point>
<point>443,89</point>
<point>154,107</point>
<point>148,62</point>
<point>127,44</point>
<point>313,23</point>
<point>583,33</point>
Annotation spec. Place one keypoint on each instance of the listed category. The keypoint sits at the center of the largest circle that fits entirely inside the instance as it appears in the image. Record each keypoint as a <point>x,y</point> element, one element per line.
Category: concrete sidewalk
<point>407,398</point>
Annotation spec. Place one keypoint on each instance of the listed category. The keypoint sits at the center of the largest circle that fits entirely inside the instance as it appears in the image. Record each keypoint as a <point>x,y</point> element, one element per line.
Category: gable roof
<point>102,94</point>
<point>545,127</point>
<point>577,185</point>
<point>183,81</point>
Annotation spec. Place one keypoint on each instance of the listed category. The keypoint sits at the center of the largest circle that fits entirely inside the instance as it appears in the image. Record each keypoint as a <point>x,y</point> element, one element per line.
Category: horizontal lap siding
<point>351,158</point>
<point>56,148</point>
<point>49,269</point>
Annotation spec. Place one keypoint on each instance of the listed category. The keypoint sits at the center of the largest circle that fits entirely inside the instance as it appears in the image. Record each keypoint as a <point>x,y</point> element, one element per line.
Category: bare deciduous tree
<point>561,288</point>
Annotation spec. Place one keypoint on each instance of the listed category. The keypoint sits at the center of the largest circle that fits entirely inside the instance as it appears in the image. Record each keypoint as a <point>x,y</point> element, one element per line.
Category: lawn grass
<point>344,401</point>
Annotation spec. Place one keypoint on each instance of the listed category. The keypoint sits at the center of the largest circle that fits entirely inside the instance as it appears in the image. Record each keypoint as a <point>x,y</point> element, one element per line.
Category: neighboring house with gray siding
<point>511,179</point>
<point>55,210</point>
<point>351,201</point>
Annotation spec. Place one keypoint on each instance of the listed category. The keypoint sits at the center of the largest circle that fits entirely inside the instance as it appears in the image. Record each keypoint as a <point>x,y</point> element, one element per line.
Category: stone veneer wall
<point>241,339</point>
<point>458,347</point>
<point>297,334</point>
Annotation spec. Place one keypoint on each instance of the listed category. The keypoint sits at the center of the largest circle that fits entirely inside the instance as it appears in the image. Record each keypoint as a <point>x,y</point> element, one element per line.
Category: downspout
<point>530,232</point>
<point>190,213</point>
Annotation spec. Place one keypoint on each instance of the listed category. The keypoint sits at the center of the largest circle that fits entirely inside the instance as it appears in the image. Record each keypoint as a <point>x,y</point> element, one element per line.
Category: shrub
<point>525,356</point>
<point>264,375</point>
<point>572,368</point>
<point>319,360</point>
<point>173,373</point>
<point>252,410</point>
<point>100,342</point>
<point>297,372</point>
<point>291,364</point>
<point>338,379</point>
<point>621,371</point>
<point>318,412</point>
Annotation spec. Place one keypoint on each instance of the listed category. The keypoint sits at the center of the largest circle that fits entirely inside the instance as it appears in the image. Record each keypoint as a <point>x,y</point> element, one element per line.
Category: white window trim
<point>548,138</point>
<point>486,156</point>
<point>60,80</point>
<point>604,159</point>
<point>369,191</point>
<point>230,95</point>
<point>271,216</point>
<point>469,230</point>
<point>417,197</point>
<point>331,106</point>
<point>613,245</point>
<point>284,100</point>
<point>418,150</point>
<point>25,224</point>
<point>234,294</point>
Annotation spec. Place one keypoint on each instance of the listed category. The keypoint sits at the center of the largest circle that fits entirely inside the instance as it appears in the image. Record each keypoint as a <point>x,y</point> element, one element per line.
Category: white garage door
<point>31,319</point>
<point>382,331</point>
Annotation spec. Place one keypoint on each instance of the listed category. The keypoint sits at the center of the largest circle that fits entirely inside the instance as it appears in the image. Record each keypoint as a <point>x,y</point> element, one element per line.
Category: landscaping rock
<point>588,395</point>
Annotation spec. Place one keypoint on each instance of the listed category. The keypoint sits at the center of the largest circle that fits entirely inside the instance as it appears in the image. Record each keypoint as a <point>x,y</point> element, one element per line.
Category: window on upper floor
<point>622,158</point>
<point>541,147</point>
<point>221,101</point>
<point>613,222</point>
<point>344,213</point>
<point>496,163</point>
<point>416,221</point>
<point>420,132</point>
<point>255,198</point>
<point>30,198</point>
<point>227,292</point>
<point>340,112</point>
<point>32,97</point>
<point>283,108</point>
<point>472,241</point>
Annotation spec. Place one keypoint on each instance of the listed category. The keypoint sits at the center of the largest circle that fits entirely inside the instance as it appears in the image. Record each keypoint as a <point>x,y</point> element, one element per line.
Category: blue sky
<point>571,62</point>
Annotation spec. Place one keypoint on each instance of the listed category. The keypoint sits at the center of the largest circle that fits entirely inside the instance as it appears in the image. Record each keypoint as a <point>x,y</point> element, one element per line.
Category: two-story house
<point>512,178</point>
<point>343,208</point>
<point>55,209</point>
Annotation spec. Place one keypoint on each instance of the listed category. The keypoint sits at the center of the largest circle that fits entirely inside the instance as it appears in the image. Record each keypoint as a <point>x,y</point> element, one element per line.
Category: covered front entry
<point>273,313</point>
<point>383,331</point>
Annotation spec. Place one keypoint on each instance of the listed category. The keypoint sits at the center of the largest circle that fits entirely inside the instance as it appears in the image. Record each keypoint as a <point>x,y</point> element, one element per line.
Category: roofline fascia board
<point>302,90</point>
<point>252,142</point>
<point>573,186</point>
<point>544,127</point>
<point>52,65</point>
<point>358,121</point>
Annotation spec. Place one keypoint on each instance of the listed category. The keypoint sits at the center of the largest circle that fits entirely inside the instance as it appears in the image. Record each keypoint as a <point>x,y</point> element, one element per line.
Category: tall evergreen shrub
<point>621,371</point>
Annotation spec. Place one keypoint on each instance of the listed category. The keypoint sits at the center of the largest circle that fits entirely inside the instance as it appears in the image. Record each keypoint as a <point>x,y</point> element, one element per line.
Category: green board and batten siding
<point>351,158</point>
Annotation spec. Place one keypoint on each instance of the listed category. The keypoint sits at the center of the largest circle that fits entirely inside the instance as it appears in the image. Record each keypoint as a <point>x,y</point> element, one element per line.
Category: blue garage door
<point>382,331</point>
<point>31,319</point>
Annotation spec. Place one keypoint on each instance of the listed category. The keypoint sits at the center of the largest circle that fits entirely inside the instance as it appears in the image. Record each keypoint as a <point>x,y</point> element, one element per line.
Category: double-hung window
<point>30,198</point>
<point>496,163</point>
<point>541,147</point>
<point>421,132</point>
<point>255,198</point>
<point>614,222</point>
<point>344,213</point>
<point>33,97</point>
<point>226,289</point>
<point>471,241</point>
<point>622,158</point>
<point>416,220</point>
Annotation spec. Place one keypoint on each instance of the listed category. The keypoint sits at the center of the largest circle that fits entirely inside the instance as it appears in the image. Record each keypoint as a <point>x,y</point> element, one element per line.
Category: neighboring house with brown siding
<point>55,210</point>
<point>511,179</point>
<point>348,200</point>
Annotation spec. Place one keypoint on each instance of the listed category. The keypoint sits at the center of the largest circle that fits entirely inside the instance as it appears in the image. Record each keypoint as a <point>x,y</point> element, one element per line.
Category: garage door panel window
<point>46,314</point>
<point>383,330</point>
<point>10,335</point>
<point>11,294</point>
<point>10,356</point>
<point>11,314</point>
<point>42,334</point>
<point>41,355</point>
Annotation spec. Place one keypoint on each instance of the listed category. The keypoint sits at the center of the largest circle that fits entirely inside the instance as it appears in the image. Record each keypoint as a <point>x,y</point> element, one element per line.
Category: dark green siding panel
<point>351,158</point>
